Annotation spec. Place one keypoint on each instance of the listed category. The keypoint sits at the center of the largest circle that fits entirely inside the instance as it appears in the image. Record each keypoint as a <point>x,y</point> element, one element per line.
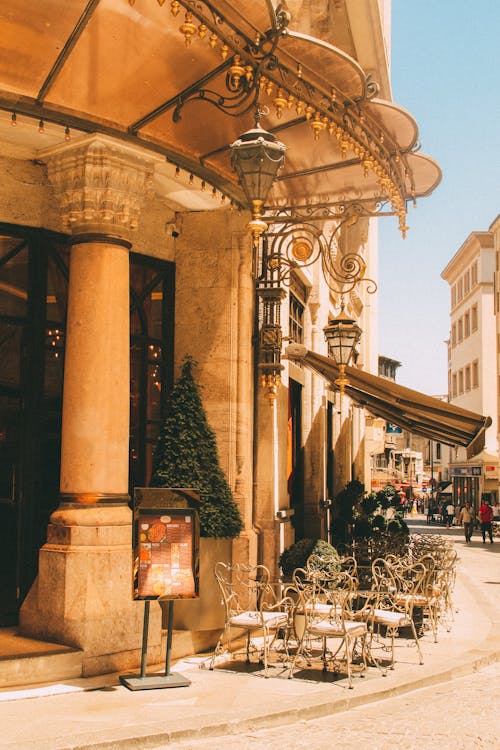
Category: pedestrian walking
<point>486,518</point>
<point>467,518</point>
<point>450,513</point>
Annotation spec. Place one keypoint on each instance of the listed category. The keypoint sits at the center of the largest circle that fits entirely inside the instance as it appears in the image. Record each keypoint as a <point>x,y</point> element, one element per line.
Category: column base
<point>82,596</point>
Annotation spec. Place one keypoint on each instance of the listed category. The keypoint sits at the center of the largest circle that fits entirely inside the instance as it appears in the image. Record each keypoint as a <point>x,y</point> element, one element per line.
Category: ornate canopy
<point>183,79</point>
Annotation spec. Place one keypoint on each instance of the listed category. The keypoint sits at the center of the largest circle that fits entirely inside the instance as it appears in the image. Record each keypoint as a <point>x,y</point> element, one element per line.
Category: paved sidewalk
<point>100,713</point>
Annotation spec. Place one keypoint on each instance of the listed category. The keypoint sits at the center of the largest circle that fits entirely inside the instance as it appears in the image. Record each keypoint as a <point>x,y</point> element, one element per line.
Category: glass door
<point>34,275</point>
<point>14,281</point>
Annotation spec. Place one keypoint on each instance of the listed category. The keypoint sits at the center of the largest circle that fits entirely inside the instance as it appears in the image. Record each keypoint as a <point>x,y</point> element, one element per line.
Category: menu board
<point>165,552</point>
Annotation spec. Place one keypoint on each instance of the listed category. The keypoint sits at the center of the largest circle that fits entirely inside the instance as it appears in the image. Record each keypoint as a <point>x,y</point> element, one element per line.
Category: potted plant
<point>187,456</point>
<point>297,554</point>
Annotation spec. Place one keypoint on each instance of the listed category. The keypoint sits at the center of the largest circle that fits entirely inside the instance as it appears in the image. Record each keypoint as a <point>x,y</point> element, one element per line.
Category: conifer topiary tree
<point>186,456</point>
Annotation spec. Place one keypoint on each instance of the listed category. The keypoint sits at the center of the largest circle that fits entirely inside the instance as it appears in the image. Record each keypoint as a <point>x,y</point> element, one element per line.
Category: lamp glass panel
<point>257,164</point>
<point>341,341</point>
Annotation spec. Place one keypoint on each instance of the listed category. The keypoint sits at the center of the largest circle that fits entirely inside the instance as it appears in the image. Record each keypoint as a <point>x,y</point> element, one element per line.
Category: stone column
<point>83,594</point>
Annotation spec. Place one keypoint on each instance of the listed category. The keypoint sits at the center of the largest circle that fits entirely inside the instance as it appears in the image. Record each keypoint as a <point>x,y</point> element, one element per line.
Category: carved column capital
<point>101,185</point>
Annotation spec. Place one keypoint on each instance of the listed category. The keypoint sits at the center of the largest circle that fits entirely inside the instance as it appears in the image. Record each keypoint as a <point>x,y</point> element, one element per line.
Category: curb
<point>295,714</point>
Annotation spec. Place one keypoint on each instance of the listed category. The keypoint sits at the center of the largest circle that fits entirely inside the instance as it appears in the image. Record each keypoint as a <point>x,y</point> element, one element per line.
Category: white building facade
<point>472,366</point>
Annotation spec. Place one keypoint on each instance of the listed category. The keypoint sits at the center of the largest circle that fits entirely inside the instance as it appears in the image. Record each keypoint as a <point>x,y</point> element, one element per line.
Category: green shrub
<point>398,527</point>
<point>369,504</point>
<point>297,554</point>
<point>187,456</point>
<point>379,522</point>
<point>362,528</point>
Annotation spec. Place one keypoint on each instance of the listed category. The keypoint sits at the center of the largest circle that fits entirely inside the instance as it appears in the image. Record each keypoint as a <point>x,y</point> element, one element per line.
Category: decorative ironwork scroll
<point>297,243</point>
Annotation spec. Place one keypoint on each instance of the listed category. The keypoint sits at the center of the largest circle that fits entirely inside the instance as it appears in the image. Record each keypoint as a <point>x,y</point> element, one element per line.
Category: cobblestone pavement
<point>459,715</point>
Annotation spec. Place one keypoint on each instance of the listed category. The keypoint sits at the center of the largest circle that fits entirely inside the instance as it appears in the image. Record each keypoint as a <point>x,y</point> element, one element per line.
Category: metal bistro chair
<point>396,598</point>
<point>251,605</point>
<point>323,604</point>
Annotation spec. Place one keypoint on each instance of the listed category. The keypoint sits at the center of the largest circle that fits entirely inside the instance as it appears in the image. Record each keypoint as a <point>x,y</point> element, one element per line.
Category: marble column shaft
<point>95,430</point>
<point>83,593</point>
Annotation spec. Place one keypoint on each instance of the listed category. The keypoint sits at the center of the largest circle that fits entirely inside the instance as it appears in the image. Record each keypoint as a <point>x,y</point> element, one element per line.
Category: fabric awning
<point>414,411</point>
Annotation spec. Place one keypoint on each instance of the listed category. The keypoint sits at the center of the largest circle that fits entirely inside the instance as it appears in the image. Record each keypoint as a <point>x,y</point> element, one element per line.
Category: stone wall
<point>214,324</point>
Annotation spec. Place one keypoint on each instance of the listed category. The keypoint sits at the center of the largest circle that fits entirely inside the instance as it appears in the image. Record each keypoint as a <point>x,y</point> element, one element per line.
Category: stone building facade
<point>119,255</point>
<point>472,367</point>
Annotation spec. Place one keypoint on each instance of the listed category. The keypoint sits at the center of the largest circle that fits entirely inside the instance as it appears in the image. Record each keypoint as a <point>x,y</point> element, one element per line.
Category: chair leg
<point>363,654</point>
<point>348,657</point>
<point>218,647</point>
<point>415,637</point>
<point>369,653</point>
<point>393,655</point>
<point>434,616</point>
<point>248,647</point>
<point>265,652</point>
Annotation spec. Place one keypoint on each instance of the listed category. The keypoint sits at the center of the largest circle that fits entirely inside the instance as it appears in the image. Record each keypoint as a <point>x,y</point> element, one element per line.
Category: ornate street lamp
<point>342,334</point>
<point>256,157</point>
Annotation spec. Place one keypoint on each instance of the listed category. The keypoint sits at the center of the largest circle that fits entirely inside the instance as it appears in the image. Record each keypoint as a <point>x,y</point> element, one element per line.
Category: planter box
<point>207,612</point>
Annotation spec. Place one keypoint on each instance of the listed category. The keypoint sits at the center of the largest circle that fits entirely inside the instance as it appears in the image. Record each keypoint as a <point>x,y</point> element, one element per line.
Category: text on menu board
<point>165,556</point>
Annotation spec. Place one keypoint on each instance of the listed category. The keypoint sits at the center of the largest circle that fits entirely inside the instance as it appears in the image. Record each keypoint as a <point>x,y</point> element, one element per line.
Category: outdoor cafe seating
<point>251,605</point>
<point>322,616</point>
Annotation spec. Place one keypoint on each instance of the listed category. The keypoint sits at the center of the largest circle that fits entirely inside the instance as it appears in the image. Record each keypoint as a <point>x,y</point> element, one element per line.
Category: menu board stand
<point>154,681</point>
<point>166,567</point>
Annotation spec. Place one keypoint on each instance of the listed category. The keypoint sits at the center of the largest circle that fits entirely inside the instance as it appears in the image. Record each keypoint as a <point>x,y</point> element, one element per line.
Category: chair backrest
<point>325,563</point>
<point>349,565</point>
<point>317,603</point>
<point>323,585</point>
<point>384,576</point>
<point>331,569</point>
<point>243,587</point>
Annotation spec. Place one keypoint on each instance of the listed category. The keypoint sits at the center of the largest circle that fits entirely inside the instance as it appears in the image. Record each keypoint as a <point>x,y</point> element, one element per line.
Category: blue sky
<point>445,71</point>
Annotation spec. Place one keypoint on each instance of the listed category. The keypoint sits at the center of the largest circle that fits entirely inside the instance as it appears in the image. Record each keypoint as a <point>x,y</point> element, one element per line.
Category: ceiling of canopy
<point>184,79</point>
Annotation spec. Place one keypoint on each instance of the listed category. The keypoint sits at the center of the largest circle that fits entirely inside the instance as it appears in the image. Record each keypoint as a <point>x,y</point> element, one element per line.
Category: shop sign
<point>466,471</point>
<point>491,471</point>
<point>166,544</point>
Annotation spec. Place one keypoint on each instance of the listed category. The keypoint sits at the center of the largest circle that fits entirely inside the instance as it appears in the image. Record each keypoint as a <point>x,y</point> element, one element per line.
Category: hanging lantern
<point>256,157</point>
<point>342,334</point>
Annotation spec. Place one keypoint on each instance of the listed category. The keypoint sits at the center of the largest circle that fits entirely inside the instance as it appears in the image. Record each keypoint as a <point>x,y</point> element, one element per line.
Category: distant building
<point>387,367</point>
<point>495,231</point>
<point>472,362</point>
